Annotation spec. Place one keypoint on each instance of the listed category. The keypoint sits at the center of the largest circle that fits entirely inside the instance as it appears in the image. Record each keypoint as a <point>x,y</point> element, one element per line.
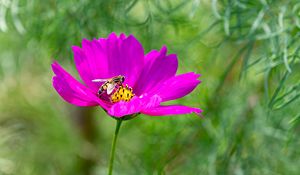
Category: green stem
<point>113,148</point>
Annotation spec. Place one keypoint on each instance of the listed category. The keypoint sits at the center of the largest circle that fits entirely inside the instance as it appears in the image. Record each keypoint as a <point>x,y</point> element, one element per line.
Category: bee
<point>109,84</point>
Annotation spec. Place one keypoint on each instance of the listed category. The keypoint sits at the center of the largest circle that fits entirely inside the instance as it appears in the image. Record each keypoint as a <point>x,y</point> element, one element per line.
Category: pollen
<point>123,93</point>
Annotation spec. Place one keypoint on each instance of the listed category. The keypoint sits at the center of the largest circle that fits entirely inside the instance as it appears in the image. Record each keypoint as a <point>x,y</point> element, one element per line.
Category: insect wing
<point>99,80</point>
<point>110,88</point>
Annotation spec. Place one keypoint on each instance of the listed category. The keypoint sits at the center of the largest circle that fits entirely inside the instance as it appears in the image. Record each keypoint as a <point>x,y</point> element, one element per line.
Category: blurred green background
<point>246,50</point>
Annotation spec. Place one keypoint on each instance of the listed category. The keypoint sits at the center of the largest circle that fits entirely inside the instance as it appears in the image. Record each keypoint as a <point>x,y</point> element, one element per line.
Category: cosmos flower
<point>149,80</point>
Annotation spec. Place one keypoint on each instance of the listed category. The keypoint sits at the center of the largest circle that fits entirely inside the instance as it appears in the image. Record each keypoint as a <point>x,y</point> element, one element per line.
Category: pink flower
<point>151,79</point>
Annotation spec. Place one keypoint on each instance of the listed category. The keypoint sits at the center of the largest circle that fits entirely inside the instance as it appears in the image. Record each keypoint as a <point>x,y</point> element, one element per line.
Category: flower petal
<point>105,58</point>
<point>88,62</point>
<point>158,68</point>
<point>127,59</point>
<point>73,91</point>
<point>66,92</point>
<point>171,110</point>
<point>135,105</point>
<point>177,87</point>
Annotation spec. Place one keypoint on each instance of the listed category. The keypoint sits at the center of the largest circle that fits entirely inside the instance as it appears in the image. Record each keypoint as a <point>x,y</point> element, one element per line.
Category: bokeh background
<point>246,50</point>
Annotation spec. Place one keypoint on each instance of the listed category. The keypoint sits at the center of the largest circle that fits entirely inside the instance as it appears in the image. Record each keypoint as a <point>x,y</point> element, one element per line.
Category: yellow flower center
<point>123,93</point>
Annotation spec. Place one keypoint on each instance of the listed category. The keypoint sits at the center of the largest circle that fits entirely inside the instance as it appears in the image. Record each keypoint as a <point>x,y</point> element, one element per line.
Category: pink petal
<point>66,92</point>
<point>73,91</point>
<point>88,62</point>
<point>105,58</point>
<point>132,60</point>
<point>177,87</point>
<point>171,110</point>
<point>135,105</point>
<point>158,68</point>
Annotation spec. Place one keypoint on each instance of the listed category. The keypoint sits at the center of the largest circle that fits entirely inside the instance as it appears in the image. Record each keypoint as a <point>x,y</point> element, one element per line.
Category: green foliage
<point>246,51</point>
<point>272,27</point>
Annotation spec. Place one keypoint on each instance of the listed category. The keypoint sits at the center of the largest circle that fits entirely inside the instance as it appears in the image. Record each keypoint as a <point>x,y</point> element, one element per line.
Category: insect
<point>109,84</point>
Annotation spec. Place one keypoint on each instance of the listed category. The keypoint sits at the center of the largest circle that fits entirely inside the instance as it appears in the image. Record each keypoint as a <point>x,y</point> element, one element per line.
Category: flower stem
<point>113,148</point>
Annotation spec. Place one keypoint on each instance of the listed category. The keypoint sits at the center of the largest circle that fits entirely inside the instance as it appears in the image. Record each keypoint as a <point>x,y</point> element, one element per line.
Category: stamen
<point>124,93</point>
